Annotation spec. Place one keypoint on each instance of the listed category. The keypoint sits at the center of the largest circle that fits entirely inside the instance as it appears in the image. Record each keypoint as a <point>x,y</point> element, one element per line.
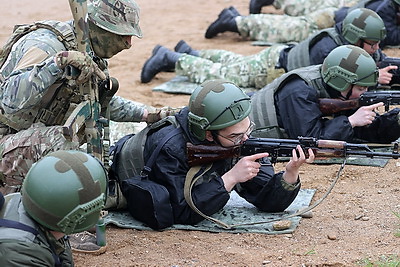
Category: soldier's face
<point>235,134</point>
<point>370,46</point>
<point>356,91</point>
<point>106,44</point>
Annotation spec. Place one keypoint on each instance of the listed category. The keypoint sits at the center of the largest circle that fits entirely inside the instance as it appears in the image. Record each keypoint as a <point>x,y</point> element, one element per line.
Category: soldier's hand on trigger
<point>385,76</point>
<point>364,115</point>
<point>81,61</point>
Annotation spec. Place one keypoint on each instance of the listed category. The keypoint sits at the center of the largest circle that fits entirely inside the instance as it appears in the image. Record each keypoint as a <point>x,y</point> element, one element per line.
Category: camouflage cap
<point>117,16</point>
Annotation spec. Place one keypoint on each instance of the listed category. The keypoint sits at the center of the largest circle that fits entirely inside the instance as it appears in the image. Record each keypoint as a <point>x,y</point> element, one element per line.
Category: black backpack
<point>146,200</point>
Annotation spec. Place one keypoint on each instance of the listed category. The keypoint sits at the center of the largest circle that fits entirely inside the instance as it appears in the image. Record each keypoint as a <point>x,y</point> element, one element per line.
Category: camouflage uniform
<point>305,7</point>
<point>300,21</point>
<point>245,71</point>
<point>37,98</point>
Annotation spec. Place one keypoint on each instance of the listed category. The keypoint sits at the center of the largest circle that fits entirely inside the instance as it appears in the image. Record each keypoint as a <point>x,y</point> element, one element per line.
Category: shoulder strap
<point>152,159</point>
<point>63,32</point>
<point>17,225</point>
<point>189,182</point>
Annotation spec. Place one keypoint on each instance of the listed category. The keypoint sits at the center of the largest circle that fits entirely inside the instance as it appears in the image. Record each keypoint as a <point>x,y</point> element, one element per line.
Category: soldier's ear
<point>209,136</point>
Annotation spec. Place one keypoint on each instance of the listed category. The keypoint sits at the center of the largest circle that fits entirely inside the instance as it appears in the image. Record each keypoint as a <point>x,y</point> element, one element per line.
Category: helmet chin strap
<point>215,137</point>
<point>347,97</point>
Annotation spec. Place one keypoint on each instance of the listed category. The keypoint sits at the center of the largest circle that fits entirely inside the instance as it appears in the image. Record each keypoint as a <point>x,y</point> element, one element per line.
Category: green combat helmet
<point>215,105</point>
<point>364,24</point>
<point>65,191</point>
<point>347,65</point>
<point>117,16</point>
<point>397,1</point>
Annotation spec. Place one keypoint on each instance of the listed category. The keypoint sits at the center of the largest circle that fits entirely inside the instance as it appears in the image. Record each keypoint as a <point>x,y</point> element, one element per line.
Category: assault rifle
<point>330,105</point>
<point>87,114</point>
<point>203,154</point>
<point>391,61</point>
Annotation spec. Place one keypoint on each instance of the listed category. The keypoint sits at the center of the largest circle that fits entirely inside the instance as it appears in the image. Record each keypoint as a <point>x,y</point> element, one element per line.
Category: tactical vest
<point>61,98</point>
<point>127,156</point>
<point>17,228</point>
<point>263,112</point>
<point>13,210</point>
<point>360,4</point>
<point>299,55</point>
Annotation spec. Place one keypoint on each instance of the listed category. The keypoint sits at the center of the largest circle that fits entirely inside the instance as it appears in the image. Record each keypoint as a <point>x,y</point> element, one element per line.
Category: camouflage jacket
<point>24,248</point>
<point>33,88</point>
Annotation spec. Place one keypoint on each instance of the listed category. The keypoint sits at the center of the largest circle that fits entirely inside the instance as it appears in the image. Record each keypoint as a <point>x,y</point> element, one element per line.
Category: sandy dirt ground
<point>356,222</point>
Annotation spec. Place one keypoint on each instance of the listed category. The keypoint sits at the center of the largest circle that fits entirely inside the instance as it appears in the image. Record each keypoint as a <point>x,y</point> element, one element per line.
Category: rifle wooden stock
<point>330,106</point>
<point>204,154</point>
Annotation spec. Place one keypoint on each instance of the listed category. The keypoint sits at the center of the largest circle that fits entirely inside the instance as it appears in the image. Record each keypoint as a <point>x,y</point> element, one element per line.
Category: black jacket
<point>265,191</point>
<point>298,113</point>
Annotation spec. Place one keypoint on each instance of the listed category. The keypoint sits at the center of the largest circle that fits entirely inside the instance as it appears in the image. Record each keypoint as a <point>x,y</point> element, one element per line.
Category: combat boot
<point>183,47</point>
<point>85,242</point>
<point>162,59</point>
<point>256,5</point>
<point>225,22</point>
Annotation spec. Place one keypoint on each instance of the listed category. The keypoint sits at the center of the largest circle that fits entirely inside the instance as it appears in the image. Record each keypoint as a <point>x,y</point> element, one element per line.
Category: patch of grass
<point>310,252</point>
<point>385,261</point>
<point>397,234</point>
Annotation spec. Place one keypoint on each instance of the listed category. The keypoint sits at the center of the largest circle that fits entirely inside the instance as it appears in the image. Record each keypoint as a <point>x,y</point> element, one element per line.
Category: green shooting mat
<point>263,43</point>
<point>236,211</point>
<point>181,85</point>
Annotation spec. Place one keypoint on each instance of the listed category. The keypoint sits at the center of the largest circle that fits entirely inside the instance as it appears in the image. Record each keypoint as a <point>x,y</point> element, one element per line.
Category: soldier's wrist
<point>288,186</point>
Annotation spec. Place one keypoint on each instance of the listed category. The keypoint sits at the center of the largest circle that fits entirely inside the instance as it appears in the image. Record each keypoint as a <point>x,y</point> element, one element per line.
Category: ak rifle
<point>204,154</point>
<point>330,106</point>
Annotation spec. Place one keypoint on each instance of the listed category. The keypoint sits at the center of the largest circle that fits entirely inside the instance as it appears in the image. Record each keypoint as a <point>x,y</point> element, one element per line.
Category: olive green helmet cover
<point>117,16</point>
<point>365,24</point>
<point>65,191</point>
<point>348,64</point>
<point>215,105</point>
<point>397,1</point>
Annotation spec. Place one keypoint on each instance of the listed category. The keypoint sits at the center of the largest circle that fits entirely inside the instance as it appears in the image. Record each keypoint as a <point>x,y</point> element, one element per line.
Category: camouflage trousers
<point>19,151</point>
<point>245,71</point>
<point>305,7</point>
<point>275,28</point>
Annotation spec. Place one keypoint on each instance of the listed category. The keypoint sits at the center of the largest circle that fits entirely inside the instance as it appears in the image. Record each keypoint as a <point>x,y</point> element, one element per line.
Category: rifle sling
<point>190,181</point>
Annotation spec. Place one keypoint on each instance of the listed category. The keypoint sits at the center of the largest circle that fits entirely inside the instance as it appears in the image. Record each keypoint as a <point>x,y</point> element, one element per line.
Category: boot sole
<point>101,250</point>
<point>179,45</point>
